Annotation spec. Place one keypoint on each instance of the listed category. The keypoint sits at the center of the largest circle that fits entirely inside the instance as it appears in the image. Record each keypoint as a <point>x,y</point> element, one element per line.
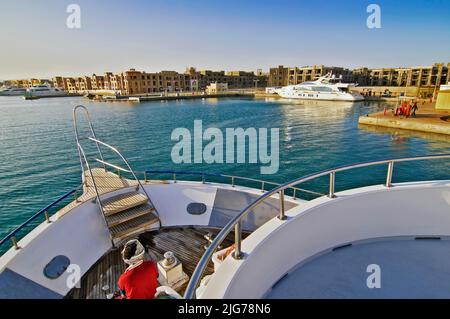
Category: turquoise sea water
<point>39,161</point>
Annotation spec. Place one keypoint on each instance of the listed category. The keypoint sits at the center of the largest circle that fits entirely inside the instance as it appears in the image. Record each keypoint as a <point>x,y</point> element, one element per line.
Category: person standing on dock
<point>414,109</point>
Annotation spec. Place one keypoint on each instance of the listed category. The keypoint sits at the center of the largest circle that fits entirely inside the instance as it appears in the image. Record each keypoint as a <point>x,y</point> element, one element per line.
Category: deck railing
<point>232,179</point>
<point>174,174</point>
<point>235,223</point>
<point>12,236</point>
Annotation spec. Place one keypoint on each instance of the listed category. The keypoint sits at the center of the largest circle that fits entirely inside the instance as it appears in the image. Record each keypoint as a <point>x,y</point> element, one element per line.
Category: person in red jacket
<point>140,279</point>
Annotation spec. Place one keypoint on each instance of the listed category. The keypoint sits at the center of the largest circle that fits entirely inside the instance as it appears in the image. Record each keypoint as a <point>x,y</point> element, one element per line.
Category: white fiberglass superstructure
<point>265,240</point>
<point>324,88</point>
<point>45,90</point>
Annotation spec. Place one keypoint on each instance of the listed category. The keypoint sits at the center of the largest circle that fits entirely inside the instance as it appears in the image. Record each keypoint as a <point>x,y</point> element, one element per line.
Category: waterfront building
<point>443,97</point>
<point>58,82</point>
<point>216,88</point>
<point>137,82</point>
<point>107,80</point>
<point>427,76</point>
<point>278,76</point>
<point>361,76</point>
<point>421,81</point>
<point>97,82</point>
<point>234,79</point>
<point>70,85</point>
<point>116,82</point>
<point>83,84</point>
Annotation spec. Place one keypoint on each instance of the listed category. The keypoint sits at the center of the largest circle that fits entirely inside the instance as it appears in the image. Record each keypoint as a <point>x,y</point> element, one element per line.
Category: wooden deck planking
<point>187,244</point>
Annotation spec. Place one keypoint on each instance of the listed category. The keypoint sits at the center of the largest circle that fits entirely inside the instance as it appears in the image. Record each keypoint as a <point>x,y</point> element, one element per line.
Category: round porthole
<point>56,267</point>
<point>196,208</point>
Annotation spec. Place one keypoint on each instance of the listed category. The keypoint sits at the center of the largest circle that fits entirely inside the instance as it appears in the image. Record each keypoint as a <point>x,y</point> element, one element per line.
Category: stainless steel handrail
<point>97,194</point>
<point>12,235</point>
<point>115,150</point>
<point>232,177</point>
<point>91,127</point>
<point>236,221</point>
<point>97,142</point>
<point>118,168</point>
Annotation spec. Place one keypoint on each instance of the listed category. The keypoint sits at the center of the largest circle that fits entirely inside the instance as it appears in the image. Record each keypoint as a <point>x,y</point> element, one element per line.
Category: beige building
<point>97,82</point>
<point>421,76</point>
<point>216,88</point>
<point>70,85</point>
<point>58,82</point>
<point>278,76</point>
<point>234,79</point>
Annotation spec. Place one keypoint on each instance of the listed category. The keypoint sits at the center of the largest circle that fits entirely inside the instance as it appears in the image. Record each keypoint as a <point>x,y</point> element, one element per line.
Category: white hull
<point>12,93</point>
<point>321,96</point>
<point>49,93</point>
<point>45,90</point>
<point>321,89</point>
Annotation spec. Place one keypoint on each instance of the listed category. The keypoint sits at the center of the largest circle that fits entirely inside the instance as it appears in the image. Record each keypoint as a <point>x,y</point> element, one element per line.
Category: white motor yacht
<point>325,88</point>
<point>45,90</point>
<point>263,243</point>
<point>12,91</point>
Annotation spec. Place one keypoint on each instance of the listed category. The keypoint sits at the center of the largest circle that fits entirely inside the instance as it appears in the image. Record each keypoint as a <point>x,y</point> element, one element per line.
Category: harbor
<point>218,151</point>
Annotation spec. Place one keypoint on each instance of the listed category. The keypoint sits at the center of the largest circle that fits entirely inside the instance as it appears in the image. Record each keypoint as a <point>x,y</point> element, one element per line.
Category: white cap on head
<point>138,256</point>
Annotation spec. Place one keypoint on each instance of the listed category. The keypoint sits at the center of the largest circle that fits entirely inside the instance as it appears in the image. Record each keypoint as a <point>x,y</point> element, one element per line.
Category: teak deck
<point>187,244</point>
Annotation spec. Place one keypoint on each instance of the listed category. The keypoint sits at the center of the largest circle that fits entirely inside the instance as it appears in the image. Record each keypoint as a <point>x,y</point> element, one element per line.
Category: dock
<point>37,97</point>
<point>170,97</point>
<point>427,119</point>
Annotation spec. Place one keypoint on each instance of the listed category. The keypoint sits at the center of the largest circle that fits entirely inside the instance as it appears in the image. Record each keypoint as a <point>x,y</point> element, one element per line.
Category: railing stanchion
<point>390,172</point>
<point>237,239</point>
<point>282,216</point>
<point>332,180</point>
<point>47,217</point>
<point>145,177</point>
<point>203,178</point>
<point>294,197</point>
<point>232,181</point>
<point>174,177</point>
<point>262,186</point>
<point>14,242</point>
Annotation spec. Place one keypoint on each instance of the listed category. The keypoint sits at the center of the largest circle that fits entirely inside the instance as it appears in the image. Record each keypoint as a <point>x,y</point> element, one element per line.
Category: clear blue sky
<point>229,34</point>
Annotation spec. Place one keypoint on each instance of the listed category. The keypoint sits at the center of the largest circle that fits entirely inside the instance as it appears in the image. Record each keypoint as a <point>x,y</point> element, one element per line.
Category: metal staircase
<point>126,214</point>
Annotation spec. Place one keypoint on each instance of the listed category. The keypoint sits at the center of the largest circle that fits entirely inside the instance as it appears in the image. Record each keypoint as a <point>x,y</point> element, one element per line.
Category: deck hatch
<point>196,208</point>
<point>56,267</point>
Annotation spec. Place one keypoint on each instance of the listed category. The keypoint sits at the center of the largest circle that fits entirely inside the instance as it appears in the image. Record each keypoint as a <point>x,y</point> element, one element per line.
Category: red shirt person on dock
<point>140,279</point>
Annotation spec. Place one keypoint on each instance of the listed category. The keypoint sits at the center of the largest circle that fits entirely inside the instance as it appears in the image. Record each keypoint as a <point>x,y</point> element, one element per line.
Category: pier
<point>427,119</point>
<point>171,96</point>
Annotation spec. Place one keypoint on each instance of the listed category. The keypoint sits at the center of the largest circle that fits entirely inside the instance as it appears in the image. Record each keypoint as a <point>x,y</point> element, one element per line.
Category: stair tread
<point>122,202</point>
<point>133,225</point>
<point>129,214</point>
